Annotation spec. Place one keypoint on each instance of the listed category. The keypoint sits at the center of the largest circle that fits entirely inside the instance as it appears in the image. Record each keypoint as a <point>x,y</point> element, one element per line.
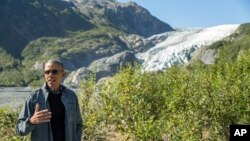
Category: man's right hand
<point>40,116</point>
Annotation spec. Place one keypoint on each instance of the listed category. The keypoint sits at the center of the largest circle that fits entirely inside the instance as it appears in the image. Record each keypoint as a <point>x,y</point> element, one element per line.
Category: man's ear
<point>64,74</point>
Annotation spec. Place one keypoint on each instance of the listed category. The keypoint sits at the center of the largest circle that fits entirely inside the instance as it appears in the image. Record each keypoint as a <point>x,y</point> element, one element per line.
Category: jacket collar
<point>46,89</point>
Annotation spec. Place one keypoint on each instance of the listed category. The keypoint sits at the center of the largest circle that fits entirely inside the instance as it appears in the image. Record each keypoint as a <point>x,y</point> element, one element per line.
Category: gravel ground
<point>13,96</point>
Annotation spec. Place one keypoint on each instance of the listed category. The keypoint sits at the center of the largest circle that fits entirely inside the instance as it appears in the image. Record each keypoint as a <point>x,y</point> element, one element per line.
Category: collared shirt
<point>43,132</point>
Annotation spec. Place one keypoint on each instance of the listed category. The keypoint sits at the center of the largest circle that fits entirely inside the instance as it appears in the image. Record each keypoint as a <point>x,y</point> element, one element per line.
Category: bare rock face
<point>75,77</point>
<point>102,68</point>
<point>129,16</point>
<point>39,65</point>
<point>207,56</point>
<point>136,20</point>
<point>109,65</point>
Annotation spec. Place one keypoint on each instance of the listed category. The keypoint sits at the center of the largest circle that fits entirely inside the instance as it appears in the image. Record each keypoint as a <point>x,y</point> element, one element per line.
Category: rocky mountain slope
<point>24,21</point>
<point>128,17</point>
<point>93,36</point>
<point>161,51</point>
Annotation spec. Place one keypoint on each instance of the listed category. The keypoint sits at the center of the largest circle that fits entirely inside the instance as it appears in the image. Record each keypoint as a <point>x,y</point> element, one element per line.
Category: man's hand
<point>40,116</point>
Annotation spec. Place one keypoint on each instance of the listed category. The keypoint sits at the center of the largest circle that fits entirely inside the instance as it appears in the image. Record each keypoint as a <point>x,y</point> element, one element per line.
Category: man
<point>51,113</point>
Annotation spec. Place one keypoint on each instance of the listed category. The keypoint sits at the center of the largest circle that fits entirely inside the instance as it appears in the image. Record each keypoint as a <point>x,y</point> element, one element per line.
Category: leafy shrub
<point>8,119</point>
<point>6,60</point>
<point>90,110</point>
<point>12,77</point>
<point>194,103</point>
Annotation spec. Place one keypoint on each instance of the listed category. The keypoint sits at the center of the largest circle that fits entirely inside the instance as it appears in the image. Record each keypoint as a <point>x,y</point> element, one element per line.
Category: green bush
<point>8,119</point>
<point>12,77</point>
<point>91,112</point>
<point>6,60</point>
<point>194,103</point>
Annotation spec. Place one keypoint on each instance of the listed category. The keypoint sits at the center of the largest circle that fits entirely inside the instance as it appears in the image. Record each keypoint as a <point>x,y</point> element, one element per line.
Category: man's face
<point>54,75</point>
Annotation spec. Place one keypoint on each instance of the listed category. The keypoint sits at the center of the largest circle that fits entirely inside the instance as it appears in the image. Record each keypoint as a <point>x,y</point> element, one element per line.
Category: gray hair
<point>55,61</point>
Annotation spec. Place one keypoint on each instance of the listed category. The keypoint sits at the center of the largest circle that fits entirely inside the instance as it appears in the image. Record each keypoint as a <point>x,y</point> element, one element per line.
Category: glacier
<point>178,45</point>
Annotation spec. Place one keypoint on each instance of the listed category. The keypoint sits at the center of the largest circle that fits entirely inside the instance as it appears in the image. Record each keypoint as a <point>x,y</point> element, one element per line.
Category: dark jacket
<point>42,132</point>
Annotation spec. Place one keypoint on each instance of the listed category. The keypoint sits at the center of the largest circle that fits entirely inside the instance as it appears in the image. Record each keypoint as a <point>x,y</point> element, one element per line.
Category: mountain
<point>24,21</point>
<point>160,52</point>
<point>128,17</point>
<point>27,20</point>
<point>99,36</point>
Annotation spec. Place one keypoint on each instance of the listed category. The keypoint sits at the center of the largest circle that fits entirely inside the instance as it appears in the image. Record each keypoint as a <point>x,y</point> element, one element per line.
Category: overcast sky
<point>198,13</point>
